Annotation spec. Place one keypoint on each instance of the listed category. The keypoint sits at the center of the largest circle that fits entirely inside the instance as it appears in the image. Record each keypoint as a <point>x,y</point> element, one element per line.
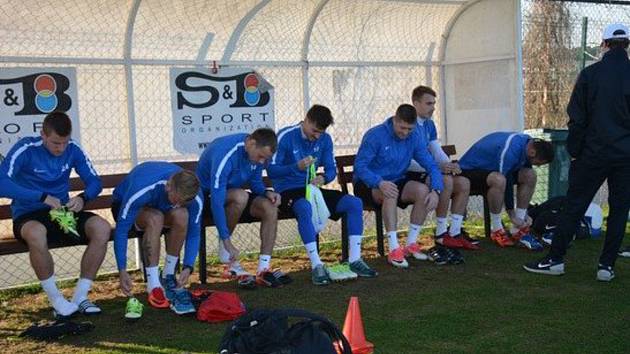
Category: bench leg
<point>344,240</point>
<point>379,232</point>
<point>203,276</point>
<point>486,216</point>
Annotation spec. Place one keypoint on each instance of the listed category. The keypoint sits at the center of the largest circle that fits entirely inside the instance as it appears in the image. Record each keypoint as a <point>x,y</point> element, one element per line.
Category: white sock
<point>264,262</point>
<point>441,225</point>
<point>224,255</point>
<point>495,222</point>
<point>355,248</point>
<point>170,262</point>
<point>81,291</point>
<point>62,306</point>
<point>153,278</point>
<point>313,255</point>
<point>50,287</point>
<point>520,213</point>
<point>412,234</point>
<point>456,224</point>
<point>393,240</point>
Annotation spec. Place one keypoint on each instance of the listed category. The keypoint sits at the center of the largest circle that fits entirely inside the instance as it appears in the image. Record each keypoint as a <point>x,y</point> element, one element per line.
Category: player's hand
<point>305,162</point>
<point>53,202</point>
<point>450,168</point>
<point>125,282</point>
<point>274,198</point>
<point>431,200</point>
<point>182,280</point>
<point>233,251</point>
<point>389,189</point>
<point>75,204</point>
<point>318,181</point>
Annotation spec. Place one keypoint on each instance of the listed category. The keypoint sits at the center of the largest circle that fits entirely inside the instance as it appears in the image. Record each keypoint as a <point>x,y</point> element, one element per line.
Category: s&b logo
<point>42,93</point>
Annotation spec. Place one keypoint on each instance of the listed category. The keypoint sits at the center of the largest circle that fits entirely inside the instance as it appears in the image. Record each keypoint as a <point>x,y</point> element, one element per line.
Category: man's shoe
<point>467,245</point>
<point>605,273</point>
<point>531,243</point>
<point>453,256</point>
<point>546,266</point>
<point>282,277</point>
<point>397,258</point>
<point>341,272</point>
<point>233,271</point>
<point>88,308</point>
<point>438,255</point>
<point>362,269</point>
<point>266,278</point>
<point>625,252</point>
<point>426,242</point>
<point>547,238</point>
<point>319,275</point>
<point>500,238</point>
<point>415,251</point>
<point>246,281</point>
<point>157,298</point>
<point>446,240</point>
<point>133,310</point>
<point>182,302</point>
<point>467,237</point>
<point>519,234</point>
<point>169,283</point>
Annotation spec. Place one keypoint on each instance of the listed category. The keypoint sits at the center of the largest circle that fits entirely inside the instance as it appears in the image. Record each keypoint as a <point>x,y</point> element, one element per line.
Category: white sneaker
<point>605,273</point>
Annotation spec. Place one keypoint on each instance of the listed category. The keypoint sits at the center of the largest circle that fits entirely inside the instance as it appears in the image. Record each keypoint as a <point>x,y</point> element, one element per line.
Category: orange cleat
<point>500,238</point>
<point>157,299</point>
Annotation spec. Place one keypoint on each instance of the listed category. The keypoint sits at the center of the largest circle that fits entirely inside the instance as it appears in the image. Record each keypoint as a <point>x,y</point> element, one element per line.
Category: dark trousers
<point>585,178</point>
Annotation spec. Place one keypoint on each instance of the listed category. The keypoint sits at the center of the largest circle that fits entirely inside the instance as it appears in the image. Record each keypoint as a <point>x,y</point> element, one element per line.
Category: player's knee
<point>528,176</point>
<point>179,216</point>
<point>461,184</point>
<point>98,230</point>
<point>154,220</point>
<point>496,180</point>
<point>34,234</point>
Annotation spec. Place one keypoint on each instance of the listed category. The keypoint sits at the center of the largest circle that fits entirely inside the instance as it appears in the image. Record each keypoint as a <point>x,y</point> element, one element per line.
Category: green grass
<point>489,304</point>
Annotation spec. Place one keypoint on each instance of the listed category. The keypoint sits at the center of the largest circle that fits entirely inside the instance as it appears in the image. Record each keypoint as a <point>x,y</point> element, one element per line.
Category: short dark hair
<point>265,137</point>
<point>544,150</point>
<point>320,115</point>
<point>614,43</point>
<point>407,113</point>
<point>57,122</point>
<point>420,91</point>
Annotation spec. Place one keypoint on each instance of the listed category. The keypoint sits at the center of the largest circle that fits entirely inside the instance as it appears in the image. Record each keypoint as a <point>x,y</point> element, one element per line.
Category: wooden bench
<point>345,175</point>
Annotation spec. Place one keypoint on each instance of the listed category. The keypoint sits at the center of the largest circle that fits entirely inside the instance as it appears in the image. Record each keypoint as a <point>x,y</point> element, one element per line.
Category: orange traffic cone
<point>353,329</point>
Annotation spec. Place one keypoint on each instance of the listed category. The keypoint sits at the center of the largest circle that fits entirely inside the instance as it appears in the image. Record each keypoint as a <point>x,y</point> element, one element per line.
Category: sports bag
<point>220,306</point>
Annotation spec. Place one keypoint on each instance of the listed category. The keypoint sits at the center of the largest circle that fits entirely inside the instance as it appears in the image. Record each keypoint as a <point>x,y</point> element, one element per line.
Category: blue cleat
<point>182,302</point>
<point>531,243</point>
<point>169,284</point>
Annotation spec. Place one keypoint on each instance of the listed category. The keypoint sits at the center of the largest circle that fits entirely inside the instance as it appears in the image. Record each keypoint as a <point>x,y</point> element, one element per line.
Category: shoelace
<point>66,220</point>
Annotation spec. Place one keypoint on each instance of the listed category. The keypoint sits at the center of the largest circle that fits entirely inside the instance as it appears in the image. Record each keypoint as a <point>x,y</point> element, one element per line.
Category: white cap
<point>615,30</point>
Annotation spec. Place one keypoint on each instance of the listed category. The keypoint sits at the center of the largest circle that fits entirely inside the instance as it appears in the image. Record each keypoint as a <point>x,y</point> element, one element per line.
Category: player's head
<point>616,35</point>
<point>539,152</point>
<point>261,145</point>
<point>56,132</point>
<point>317,120</point>
<point>404,121</point>
<point>182,187</point>
<point>423,100</point>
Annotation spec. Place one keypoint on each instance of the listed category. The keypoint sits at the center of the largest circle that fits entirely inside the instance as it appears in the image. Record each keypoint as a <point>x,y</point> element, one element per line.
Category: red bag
<point>221,306</point>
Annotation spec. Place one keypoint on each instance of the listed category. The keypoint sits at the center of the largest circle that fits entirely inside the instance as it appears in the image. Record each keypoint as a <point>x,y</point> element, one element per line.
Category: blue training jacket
<point>384,156</point>
<point>224,164</point>
<point>145,185</point>
<point>503,152</point>
<point>293,147</point>
<point>30,171</point>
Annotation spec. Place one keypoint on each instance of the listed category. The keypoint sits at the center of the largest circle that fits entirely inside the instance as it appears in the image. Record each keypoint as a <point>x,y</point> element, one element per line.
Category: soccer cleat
<point>465,243</point>
<point>500,238</point>
<point>341,272</point>
<point>453,256</point>
<point>157,298</point>
<point>546,266</point>
<point>438,255</point>
<point>397,258</point>
<point>169,284</point>
<point>519,234</point>
<point>246,281</point>
<point>133,310</point>
<point>282,277</point>
<point>467,237</point>
<point>605,273</point>
<point>426,242</point>
<point>362,269</point>
<point>319,275</point>
<point>625,252</point>
<point>446,240</point>
<point>415,251</point>
<point>267,279</point>
<point>531,243</point>
<point>66,220</point>
<point>182,302</point>
<point>233,271</point>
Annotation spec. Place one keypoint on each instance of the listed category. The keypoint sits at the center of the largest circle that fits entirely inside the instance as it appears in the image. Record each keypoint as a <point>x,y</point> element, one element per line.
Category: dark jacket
<point>599,110</point>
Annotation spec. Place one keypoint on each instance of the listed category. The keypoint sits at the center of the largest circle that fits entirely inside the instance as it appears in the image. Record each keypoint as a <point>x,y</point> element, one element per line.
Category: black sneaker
<point>546,266</point>
<point>467,237</point>
<point>282,277</point>
<point>454,256</point>
<point>625,252</point>
<point>438,255</point>
<point>268,279</point>
<point>605,273</point>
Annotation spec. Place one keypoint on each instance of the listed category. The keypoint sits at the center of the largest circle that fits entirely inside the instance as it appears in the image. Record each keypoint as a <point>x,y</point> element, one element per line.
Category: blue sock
<point>353,208</point>
<point>304,216</point>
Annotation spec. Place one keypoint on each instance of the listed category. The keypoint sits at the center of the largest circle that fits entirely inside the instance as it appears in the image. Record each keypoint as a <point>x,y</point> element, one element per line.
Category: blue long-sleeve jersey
<point>145,186</point>
<point>384,156</point>
<point>224,164</point>
<point>30,171</point>
<point>293,146</point>
<point>503,152</point>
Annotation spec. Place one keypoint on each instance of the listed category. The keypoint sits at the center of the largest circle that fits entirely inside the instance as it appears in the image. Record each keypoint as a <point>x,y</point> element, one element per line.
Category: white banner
<point>206,105</point>
<point>28,94</point>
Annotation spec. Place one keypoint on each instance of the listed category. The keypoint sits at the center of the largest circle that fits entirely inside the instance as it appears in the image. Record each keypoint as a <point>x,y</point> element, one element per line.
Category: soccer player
<point>159,197</point>
<point>379,177</point>
<point>36,176</point>
<point>301,147</point>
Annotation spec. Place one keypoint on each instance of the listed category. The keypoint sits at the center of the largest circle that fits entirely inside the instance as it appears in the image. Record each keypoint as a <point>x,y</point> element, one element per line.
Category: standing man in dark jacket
<point>599,143</point>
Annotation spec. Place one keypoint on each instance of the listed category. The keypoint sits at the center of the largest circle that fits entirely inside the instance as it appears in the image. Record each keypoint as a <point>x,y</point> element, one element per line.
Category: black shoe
<point>467,237</point>
<point>546,266</point>
<point>267,279</point>
<point>625,252</point>
<point>438,255</point>
<point>282,277</point>
<point>454,256</point>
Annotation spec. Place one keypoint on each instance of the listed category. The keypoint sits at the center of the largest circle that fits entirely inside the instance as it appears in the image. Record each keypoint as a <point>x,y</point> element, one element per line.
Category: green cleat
<point>65,219</point>
<point>341,272</point>
<point>134,309</point>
